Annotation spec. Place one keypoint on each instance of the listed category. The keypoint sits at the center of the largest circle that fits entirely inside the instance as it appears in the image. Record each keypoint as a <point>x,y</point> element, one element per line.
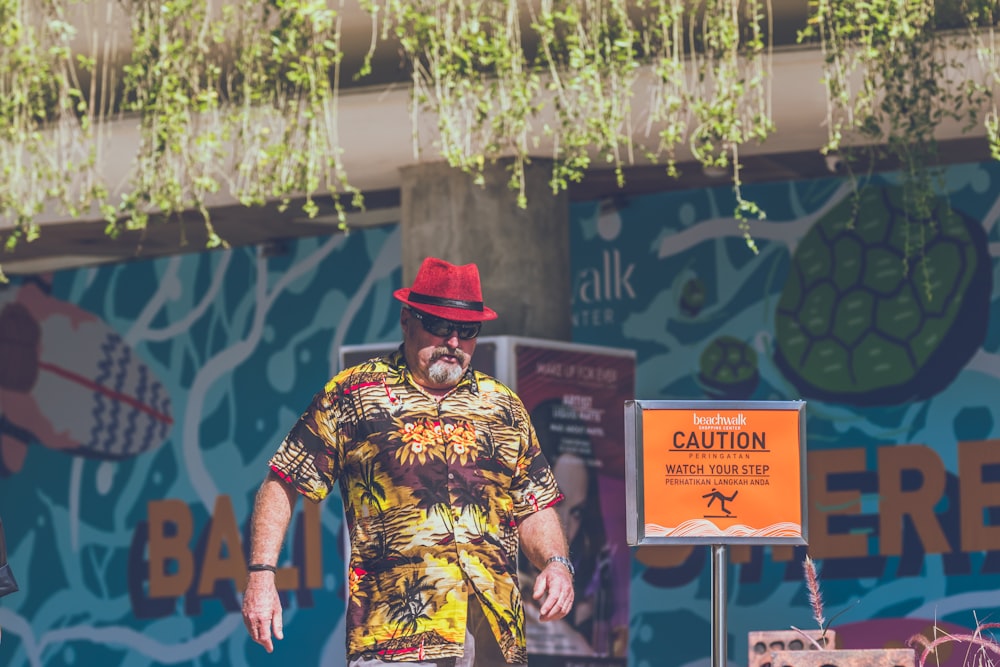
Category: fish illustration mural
<point>69,382</point>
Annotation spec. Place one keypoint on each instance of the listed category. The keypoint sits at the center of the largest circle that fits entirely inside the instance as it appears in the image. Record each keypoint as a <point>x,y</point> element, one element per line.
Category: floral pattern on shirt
<point>433,492</point>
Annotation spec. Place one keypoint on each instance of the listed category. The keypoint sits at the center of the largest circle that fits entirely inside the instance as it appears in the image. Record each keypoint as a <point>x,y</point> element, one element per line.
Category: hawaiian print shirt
<point>433,492</point>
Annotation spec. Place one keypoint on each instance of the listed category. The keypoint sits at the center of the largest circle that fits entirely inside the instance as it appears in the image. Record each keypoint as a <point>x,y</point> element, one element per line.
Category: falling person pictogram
<point>722,498</point>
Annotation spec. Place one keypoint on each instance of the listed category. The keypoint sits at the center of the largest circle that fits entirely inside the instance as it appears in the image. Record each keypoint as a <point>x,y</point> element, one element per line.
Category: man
<point>442,479</point>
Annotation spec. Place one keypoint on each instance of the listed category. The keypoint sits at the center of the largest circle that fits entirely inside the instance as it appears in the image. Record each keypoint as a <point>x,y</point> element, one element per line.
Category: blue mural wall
<point>133,440</point>
<point>899,371</point>
<point>141,431</point>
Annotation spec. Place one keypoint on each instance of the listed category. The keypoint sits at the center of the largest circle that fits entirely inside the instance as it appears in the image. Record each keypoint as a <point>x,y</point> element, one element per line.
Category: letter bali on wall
<point>903,427</point>
<point>139,404</point>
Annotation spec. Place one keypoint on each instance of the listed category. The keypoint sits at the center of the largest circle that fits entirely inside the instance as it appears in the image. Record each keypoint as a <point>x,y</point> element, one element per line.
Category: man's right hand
<point>262,609</point>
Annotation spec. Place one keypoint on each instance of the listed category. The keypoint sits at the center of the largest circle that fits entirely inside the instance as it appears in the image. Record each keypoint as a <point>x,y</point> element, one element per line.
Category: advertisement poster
<point>575,396</point>
<point>719,472</point>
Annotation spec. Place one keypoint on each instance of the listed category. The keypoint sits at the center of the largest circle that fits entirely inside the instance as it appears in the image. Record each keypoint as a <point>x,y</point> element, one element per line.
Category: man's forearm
<point>272,511</point>
<point>542,537</point>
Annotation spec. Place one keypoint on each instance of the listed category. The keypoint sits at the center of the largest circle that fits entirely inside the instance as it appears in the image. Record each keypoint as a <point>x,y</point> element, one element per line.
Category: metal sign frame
<point>635,459</point>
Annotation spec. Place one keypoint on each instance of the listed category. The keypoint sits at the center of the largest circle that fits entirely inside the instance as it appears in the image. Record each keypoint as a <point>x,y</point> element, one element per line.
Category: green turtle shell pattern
<point>855,326</point>
<point>728,369</point>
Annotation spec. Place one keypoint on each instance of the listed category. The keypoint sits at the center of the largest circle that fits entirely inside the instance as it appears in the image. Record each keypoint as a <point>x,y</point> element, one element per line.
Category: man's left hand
<point>554,591</point>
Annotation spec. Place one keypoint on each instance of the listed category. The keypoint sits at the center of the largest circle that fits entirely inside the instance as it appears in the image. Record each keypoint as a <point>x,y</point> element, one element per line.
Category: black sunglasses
<point>438,326</point>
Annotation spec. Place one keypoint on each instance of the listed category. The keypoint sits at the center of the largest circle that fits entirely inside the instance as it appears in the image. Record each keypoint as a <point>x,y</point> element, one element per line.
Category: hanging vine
<point>497,92</point>
<point>239,98</point>
<point>284,89</point>
<point>468,70</point>
<point>983,19</point>
<point>712,62</point>
<point>663,32</point>
<point>46,120</point>
<point>895,71</point>
<point>172,84</point>
<point>588,54</point>
<point>732,99</point>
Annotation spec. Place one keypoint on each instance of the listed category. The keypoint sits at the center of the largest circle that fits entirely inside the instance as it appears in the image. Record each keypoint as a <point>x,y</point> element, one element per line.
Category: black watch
<point>564,561</point>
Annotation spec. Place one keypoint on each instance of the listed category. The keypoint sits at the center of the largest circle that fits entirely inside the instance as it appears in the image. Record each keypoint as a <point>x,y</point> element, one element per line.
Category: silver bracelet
<point>564,561</point>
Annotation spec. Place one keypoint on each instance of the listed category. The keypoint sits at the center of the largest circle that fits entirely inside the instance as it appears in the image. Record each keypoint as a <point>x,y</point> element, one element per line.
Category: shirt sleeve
<point>533,487</point>
<point>309,458</point>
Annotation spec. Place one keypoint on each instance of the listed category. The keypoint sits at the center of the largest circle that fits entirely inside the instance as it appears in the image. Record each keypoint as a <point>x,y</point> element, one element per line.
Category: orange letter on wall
<point>223,532</point>
<point>895,503</point>
<point>163,548</point>
<point>824,503</point>
<point>976,495</point>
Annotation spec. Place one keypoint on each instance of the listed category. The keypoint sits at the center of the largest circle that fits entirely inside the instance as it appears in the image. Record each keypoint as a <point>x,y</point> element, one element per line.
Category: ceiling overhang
<point>377,137</point>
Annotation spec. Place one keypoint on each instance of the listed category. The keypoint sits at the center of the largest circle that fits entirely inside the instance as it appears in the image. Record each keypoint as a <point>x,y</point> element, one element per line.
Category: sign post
<point>715,473</point>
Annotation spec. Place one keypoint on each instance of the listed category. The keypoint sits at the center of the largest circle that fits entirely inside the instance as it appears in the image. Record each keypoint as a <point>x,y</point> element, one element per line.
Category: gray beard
<point>446,374</point>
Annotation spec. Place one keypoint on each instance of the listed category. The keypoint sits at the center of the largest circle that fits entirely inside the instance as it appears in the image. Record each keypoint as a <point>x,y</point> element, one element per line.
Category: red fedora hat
<point>448,291</point>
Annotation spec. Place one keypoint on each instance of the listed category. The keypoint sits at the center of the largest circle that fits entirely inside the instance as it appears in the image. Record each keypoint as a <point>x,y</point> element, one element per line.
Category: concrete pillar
<point>522,254</point>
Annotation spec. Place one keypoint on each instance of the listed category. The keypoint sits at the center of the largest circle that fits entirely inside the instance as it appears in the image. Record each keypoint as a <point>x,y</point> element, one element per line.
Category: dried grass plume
<point>815,597</point>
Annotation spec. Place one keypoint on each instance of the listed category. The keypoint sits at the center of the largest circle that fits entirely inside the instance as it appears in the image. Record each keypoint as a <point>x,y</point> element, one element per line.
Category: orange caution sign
<point>715,472</point>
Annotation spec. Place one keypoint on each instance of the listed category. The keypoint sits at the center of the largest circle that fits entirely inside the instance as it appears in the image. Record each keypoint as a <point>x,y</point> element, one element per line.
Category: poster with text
<point>575,396</point>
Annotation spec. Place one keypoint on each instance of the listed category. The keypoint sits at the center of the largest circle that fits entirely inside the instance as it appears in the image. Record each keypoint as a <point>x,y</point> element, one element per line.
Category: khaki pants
<point>481,648</point>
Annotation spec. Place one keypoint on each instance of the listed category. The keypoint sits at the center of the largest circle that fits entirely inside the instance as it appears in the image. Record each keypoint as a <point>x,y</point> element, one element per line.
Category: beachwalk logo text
<point>718,421</point>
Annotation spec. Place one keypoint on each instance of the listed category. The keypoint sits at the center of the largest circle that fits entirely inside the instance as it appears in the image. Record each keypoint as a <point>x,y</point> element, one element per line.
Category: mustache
<point>447,351</point>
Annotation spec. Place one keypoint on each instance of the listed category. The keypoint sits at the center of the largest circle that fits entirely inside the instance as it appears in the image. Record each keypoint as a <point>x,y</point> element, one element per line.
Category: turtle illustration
<point>728,369</point>
<point>855,326</point>
<point>693,295</point>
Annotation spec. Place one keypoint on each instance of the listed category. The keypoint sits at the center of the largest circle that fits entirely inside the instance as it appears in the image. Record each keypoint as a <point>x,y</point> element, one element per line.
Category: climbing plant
<point>983,18</point>
<point>239,98</point>
<point>171,84</point>
<point>246,88</point>
<point>896,71</point>
<point>46,118</point>
<point>502,85</point>
<point>283,91</point>
<point>590,63</point>
<point>711,87</point>
<point>470,72</point>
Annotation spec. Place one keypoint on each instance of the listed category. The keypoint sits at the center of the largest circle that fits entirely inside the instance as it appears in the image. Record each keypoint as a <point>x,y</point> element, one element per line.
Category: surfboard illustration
<point>69,382</point>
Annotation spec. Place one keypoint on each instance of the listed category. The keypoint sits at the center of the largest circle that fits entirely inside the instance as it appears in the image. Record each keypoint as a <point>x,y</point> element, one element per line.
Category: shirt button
<point>451,475</point>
